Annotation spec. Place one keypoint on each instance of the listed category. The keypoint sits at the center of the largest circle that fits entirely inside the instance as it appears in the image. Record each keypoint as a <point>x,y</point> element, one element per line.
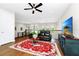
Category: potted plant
<point>35,34</point>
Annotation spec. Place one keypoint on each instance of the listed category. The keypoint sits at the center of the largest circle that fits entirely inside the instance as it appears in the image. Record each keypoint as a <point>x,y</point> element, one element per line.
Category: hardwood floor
<point>58,45</point>
<point>6,51</point>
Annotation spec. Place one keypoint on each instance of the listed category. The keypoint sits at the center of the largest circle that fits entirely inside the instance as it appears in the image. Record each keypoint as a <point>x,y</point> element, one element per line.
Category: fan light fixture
<point>34,7</point>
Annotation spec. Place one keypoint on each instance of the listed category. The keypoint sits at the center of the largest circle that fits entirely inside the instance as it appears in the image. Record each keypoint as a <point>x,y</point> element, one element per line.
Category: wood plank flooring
<point>6,51</point>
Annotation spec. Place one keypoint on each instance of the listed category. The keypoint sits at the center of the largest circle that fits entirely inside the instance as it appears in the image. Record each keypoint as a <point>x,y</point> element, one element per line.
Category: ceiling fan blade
<point>40,4</point>
<point>30,5</point>
<point>27,8</point>
<point>33,12</point>
<point>38,10</point>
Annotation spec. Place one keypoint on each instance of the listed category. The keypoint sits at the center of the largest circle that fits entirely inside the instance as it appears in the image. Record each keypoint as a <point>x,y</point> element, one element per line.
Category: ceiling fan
<point>34,7</point>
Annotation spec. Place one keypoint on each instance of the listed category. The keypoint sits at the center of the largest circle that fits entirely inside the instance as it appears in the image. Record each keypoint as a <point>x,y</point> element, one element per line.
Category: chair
<point>44,35</point>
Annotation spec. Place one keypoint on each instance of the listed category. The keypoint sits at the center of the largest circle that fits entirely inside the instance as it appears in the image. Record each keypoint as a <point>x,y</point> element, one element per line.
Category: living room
<point>40,24</point>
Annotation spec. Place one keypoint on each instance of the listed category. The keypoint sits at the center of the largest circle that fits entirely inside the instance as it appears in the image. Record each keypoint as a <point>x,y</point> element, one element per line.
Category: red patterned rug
<point>40,48</point>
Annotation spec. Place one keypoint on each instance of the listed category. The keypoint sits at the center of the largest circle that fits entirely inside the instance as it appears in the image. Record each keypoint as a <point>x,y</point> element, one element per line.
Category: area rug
<point>41,48</point>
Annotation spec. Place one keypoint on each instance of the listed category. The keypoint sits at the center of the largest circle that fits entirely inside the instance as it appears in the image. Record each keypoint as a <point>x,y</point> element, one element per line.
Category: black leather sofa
<point>45,35</point>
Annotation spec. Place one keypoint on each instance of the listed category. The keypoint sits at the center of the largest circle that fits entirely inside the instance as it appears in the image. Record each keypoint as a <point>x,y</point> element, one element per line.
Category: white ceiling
<point>51,12</point>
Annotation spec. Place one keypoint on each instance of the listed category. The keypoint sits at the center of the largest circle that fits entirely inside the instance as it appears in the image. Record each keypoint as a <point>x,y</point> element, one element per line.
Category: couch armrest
<point>72,38</point>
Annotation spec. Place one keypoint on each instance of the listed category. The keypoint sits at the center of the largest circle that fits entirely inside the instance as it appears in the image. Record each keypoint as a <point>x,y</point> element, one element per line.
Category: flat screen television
<point>68,22</point>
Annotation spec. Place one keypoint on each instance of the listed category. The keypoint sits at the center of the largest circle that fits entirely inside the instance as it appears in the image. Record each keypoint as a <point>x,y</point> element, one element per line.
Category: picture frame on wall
<point>21,28</point>
<point>68,22</point>
<point>15,29</point>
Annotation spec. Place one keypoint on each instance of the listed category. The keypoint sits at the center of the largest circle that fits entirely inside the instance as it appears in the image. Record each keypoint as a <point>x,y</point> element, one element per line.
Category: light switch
<point>2,32</point>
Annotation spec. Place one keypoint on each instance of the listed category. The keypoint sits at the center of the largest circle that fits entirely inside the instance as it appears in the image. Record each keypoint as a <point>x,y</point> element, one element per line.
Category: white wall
<point>7,24</point>
<point>73,10</point>
<point>18,26</point>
